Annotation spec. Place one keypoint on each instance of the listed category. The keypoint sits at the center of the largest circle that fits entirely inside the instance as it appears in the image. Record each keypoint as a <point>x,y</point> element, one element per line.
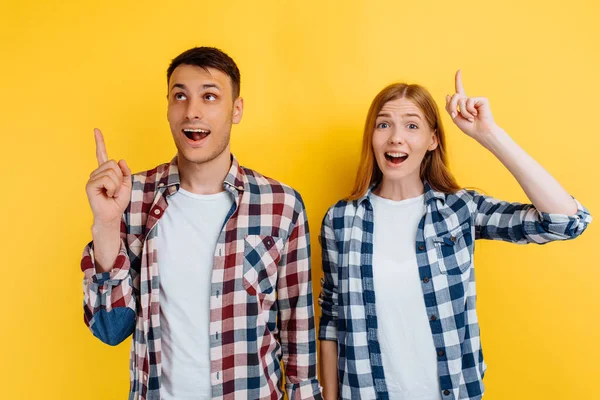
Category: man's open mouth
<point>396,158</point>
<point>196,134</point>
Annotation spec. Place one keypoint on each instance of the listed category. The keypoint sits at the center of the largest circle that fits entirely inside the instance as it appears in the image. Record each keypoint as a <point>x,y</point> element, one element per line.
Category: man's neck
<point>204,178</point>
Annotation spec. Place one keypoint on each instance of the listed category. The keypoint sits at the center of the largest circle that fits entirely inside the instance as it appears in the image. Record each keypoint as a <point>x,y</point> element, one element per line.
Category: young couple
<point>207,263</point>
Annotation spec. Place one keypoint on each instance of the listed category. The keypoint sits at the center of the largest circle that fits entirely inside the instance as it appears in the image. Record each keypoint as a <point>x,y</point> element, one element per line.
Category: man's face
<point>200,112</point>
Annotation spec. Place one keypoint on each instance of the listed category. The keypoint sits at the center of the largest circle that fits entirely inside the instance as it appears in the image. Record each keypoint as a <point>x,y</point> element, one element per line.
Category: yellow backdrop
<point>309,71</point>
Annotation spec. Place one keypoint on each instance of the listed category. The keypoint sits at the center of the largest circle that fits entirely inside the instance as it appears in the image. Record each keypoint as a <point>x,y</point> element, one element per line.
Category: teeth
<point>196,130</point>
<point>396,154</point>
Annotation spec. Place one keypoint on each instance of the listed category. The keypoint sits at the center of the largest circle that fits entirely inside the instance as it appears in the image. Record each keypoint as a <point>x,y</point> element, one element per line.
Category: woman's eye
<point>412,126</point>
<point>180,96</point>
<point>383,125</point>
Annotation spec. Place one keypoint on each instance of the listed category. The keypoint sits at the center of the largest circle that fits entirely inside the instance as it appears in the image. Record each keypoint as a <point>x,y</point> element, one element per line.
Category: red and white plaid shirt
<point>261,304</point>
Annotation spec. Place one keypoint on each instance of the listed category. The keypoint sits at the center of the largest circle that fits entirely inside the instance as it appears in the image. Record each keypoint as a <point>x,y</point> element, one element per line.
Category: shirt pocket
<point>261,258</point>
<point>454,250</point>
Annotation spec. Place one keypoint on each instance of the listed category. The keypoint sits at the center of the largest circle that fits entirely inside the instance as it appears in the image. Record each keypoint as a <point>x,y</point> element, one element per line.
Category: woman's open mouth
<point>396,158</point>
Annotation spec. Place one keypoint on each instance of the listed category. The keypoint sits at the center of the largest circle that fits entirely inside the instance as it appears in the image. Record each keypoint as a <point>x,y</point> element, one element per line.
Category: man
<point>206,262</point>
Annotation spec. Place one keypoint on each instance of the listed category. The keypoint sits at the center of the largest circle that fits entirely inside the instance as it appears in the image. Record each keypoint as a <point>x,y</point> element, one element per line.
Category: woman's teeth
<point>395,158</point>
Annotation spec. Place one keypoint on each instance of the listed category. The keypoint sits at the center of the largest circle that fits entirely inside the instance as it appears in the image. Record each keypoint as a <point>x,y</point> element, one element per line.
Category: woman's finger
<point>462,104</point>
<point>453,106</point>
<point>471,106</point>
<point>458,85</point>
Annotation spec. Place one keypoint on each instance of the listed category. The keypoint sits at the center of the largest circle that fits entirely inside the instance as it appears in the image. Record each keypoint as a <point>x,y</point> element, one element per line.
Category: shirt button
<point>446,392</point>
<point>433,318</point>
<point>157,211</point>
<point>441,353</point>
<point>217,335</point>
<point>217,294</point>
<point>426,280</point>
<point>218,375</point>
<point>161,184</point>
<point>453,238</point>
<point>421,248</point>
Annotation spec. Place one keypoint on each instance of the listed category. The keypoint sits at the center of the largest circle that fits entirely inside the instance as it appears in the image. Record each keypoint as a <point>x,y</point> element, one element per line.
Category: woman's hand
<point>472,115</point>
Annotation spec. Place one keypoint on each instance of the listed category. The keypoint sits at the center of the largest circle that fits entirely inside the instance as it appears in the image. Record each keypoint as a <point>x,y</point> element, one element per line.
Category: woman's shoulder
<point>464,199</point>
<point>342,208</point>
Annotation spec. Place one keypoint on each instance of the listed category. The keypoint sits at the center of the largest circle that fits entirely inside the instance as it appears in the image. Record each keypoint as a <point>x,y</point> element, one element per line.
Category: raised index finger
<point>458,85</point>
<point>101,155</point>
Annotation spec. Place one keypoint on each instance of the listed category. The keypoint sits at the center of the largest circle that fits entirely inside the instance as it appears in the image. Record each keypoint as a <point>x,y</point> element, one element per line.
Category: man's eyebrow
<point>205,86</point>
<point>210,85</point>
<point>179,86</point>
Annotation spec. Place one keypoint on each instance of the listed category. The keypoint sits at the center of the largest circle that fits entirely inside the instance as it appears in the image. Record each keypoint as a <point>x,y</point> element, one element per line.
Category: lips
<point>196,134</point>
<point>396,158</point>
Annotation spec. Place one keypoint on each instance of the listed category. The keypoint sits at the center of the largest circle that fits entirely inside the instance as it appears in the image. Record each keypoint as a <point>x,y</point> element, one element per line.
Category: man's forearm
<point>107,242</point>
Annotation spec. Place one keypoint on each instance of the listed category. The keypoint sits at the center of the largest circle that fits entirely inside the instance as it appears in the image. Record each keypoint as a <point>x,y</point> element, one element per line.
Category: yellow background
<point>309,72</point>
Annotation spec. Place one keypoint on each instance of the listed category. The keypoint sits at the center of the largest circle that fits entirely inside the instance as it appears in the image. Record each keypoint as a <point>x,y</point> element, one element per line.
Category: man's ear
<point>238,110</point>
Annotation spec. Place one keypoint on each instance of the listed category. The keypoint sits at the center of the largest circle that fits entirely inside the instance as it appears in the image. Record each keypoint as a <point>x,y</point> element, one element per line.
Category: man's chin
<point>199,156</point>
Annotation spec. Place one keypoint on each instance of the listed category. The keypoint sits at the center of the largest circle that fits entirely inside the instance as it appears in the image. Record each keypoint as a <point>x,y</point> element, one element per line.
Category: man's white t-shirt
<point>186,241</point>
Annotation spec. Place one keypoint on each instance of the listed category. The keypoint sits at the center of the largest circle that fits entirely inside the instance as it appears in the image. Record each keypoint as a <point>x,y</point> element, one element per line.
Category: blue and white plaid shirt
<point>444,247</point>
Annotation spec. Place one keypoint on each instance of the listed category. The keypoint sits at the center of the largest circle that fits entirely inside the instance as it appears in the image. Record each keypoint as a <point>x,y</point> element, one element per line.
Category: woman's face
<point>401,139</point>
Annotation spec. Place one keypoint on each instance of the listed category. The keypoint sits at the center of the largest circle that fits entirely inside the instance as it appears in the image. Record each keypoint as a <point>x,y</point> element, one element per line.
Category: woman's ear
<point>434,142</point>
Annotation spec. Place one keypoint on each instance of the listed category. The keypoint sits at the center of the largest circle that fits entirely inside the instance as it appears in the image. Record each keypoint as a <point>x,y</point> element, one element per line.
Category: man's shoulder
<point>260,185</point>
<point>150,179</point>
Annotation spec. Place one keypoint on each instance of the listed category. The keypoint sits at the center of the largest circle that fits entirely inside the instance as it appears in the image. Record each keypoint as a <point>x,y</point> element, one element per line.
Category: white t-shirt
<point>187,237</point>
<point>407,350</point>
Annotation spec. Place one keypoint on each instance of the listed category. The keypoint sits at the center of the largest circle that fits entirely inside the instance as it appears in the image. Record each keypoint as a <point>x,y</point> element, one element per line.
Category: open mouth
<point>196,135</point>
<point>396,158</point>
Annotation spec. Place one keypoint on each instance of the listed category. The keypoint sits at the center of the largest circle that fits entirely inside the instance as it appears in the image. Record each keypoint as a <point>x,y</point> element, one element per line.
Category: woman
<point>398,294</point>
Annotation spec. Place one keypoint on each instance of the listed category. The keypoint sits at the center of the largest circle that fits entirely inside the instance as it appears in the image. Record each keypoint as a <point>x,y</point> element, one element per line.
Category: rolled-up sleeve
<point>109,304</point>
<point>523,223</point>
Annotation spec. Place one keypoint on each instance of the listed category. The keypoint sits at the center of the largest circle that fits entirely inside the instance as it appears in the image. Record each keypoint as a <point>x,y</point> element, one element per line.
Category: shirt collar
<point>236,178</point>
<point>430,194</point>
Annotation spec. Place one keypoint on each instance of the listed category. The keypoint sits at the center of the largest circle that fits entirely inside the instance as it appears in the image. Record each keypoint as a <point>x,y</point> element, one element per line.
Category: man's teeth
<point>196,130</point>
<point>395,155</point>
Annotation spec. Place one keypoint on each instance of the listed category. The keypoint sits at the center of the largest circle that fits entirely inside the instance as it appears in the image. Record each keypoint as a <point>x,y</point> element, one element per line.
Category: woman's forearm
<point>541,188</point>
<point>329,369</point>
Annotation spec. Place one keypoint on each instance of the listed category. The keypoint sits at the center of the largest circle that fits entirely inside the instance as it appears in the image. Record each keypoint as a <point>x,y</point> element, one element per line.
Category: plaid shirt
<point>444,247</point>
<point>261,305</point>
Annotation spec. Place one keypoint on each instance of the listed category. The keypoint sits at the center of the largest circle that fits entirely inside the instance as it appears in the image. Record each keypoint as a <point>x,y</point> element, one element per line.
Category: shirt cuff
<point>328,329</point>
<point>305,390</point>
<point>570,226</point>
<point>118,272</point>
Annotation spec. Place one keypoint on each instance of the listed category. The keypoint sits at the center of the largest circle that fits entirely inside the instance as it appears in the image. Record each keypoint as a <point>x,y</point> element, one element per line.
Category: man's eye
<point>383,125</point>
<point>210,97</point>
<point>180,96</point>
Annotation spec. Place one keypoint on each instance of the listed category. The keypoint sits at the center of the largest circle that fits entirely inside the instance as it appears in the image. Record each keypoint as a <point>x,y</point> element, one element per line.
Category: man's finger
<point>101,155</point>
<point>125,169</point>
